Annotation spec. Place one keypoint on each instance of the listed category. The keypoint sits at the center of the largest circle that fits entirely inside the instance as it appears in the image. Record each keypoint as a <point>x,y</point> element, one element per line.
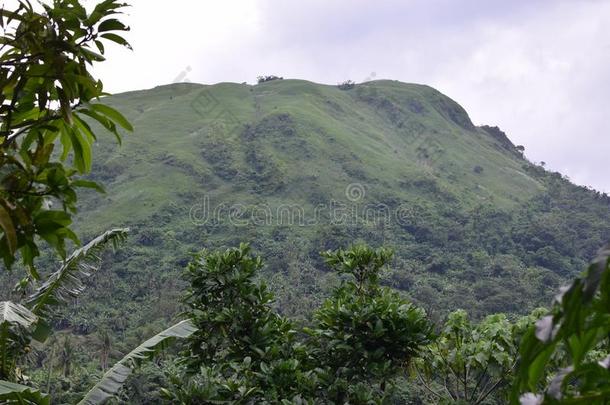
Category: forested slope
<point>295,168</point>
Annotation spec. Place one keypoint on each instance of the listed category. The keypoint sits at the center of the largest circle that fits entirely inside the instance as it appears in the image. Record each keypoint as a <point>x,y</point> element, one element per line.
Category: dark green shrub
<point>263,79</point>
<point>346,85</point>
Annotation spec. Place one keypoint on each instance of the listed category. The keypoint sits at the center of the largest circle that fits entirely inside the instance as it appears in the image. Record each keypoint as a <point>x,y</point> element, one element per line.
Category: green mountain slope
<point>296,167</point>
<point>273,139</point>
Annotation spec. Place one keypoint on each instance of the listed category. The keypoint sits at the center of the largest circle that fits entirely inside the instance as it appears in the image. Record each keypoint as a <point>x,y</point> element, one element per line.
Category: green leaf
<point>112,381</point>
<point>12,393</point>
<point>100,46</point>
<point>67,282</point>
<point>84,127</point>
<point>42,332</point>
<point>89,184</point>
<point>90,55</point>
<point>82,151</point>
<point>117,39</point>
<point>51,220</point>
<point>112,25</point>
<point>16,323</point>
<point>113,115</point>
<point>105,122</point>
<point>66,142</point>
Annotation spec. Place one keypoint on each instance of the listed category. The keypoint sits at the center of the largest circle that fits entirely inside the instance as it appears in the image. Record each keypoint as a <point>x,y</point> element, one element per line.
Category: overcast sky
<point>540,70</point>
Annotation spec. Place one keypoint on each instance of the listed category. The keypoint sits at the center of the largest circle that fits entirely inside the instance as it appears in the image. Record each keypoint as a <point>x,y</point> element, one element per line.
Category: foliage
<point>362,337</point>
<point>501,241</point>
<point>471,363</point>
<point>240,344</point>
<point>263,79</point>
<point>47,95</point>
<point>579,325</point>
<point>11,393</point>
<point>364,334</point>
<point>17,324</point>
<point>462,240</point>
<point>67,282</point>
<point>21,324</point>
<point>362,263</point>
<point>114,379</point>
<point>346,85</point>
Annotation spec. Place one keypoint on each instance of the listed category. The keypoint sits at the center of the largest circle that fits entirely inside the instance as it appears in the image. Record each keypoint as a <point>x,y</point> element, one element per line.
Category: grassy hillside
<point>473,223</point>
<point>296,167</point>
<point>286,138</point>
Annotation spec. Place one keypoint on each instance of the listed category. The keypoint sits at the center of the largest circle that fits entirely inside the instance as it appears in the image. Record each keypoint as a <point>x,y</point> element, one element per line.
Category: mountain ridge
<point>473,223</point>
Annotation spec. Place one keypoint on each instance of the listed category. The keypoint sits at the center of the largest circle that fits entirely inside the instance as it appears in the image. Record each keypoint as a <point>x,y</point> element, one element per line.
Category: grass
<point>294,142</point>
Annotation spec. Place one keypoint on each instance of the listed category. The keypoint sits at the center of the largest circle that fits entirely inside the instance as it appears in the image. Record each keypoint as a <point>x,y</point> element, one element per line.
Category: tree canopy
<point>48,102</point>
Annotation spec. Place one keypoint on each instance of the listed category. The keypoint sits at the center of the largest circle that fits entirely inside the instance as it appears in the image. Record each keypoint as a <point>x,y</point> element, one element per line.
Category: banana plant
<point>21,323</point>
<point>12,393</point>
<point>112,381</point>
<point>67,282</point>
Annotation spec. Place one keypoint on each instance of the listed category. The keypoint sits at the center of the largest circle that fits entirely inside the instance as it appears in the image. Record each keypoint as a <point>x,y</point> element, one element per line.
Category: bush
<point>346,85</point>
<point>263,79</point>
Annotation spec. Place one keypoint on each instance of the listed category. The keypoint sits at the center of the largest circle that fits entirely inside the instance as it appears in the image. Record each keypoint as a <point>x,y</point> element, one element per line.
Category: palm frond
<point>115,377</point>
<point>11,393</point>
<point>67,282</point>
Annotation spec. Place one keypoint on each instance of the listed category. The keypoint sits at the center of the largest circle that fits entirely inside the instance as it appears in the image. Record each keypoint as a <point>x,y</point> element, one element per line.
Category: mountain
<point>295,167</point>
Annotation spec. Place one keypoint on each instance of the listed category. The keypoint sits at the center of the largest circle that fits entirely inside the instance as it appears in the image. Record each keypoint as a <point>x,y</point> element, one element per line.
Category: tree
<point>103,343</point>
<point>20,324</point>
<point>361,339</point>
<point>241,350</point>
<point>23,323</point>
<point>364,335</point>
<point>48,98</point>
<point>470,362</point>
<point>66,356</point>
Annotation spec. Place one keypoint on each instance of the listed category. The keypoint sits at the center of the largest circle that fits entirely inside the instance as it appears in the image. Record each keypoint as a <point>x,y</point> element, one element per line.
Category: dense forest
<point>284,242</point>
